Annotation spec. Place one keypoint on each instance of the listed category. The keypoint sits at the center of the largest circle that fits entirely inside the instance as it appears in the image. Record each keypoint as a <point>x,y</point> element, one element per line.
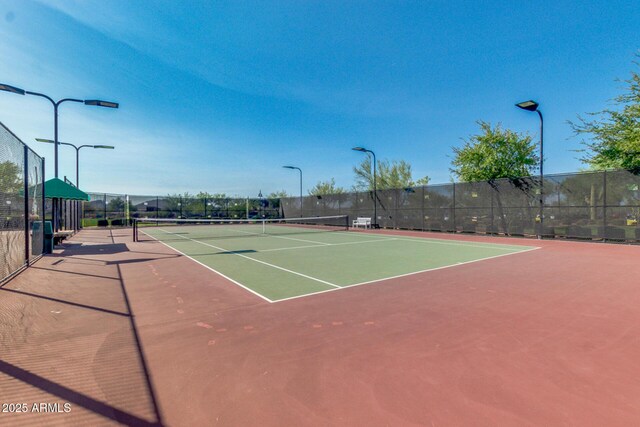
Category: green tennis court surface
<point>297,263</point>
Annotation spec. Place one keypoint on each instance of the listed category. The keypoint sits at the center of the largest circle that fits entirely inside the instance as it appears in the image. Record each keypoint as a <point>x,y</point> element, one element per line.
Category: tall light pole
<point>375,186</point>
<point>533,106</point>
<point>300,170</point>
<point>56,104</point>
<point>108,147</point>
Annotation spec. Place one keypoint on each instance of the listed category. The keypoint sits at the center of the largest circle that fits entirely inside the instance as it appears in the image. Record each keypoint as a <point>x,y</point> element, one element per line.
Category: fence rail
<point>21,204</point>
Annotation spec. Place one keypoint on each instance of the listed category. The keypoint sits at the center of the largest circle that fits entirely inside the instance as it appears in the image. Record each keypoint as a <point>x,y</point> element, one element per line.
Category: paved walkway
<point>68,336</point>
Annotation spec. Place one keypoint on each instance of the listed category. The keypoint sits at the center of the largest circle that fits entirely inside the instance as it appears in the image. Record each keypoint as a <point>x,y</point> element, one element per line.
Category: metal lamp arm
<point>70,99</point>
<point>28,92</point>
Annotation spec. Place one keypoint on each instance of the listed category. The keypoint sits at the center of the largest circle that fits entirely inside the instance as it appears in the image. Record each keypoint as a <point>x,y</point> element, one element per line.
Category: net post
<point>347,224</point>
<point>135,234</point>
<point>264,226</point>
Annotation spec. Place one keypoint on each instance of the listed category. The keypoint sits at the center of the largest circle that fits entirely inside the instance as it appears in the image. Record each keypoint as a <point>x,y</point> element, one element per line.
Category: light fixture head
<point>100,103</point>
<point>108,147</point>
<point>12,89</point>
<point>528,105</point>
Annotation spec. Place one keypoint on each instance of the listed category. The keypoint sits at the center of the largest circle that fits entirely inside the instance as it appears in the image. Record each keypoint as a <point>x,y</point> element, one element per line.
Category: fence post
<point>397,194</point>
<point>26,204</point>
<point>44,205</point>
<point>127,213</point>
<point>422,208</point>
<point>493,229</point>
<point>604,207</point>
<point>541,232</point>
<point>455,228</point>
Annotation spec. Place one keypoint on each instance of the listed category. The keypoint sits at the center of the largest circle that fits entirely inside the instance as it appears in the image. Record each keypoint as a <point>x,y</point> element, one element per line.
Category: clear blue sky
<point>217,96</point>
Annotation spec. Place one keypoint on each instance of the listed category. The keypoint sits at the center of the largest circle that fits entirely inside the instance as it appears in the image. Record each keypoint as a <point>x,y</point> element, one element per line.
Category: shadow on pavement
<point>71,336</point>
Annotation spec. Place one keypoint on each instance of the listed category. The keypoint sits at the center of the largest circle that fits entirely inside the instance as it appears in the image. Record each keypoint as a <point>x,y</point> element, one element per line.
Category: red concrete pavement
<point>133,333</point>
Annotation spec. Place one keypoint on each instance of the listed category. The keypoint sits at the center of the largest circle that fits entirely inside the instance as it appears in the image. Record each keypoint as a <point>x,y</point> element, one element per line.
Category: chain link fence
<point>601,205</point>
<point>119,209</point>
<point>21,204</point>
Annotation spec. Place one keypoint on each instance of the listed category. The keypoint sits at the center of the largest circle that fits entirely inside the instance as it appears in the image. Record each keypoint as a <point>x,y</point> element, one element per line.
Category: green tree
<point>204,195</point>
<point>395,174</point>
<point>423,181</point>
<point>282,194</point>
<point>326,187</point>
<point>115,205</point>
<point>615,133</point>
<point>10,177</point>
<point>217,204</point>
<point>172,204</point>
<point>493,154</point>
<point>221,196</point>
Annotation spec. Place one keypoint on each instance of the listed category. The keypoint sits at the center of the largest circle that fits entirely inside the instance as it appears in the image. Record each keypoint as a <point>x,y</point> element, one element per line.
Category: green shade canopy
<point>56,188</point>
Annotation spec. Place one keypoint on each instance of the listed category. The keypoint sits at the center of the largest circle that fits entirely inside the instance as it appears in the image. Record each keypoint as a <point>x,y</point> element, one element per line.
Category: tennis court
<point>279,260</point>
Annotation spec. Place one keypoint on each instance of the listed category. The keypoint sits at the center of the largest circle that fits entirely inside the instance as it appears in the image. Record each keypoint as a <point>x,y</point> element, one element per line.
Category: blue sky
<point>217,96</point>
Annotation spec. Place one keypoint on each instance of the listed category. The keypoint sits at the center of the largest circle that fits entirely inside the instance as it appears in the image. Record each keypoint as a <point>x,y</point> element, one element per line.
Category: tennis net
<point>163,229</point>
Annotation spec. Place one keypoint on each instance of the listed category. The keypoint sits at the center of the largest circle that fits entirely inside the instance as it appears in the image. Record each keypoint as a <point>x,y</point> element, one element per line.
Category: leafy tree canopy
<point>116,204</point>
<point>615,133</point>
<point>206,195</point>
<point>10,177</point>
<point>423,181</point>
<point>394,174</point>
<point>495,153</point>
<point>326,187</point>
<point>278,195</point>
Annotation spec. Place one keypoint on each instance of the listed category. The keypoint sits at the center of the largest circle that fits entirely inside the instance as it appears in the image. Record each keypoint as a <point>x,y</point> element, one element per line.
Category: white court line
<point>255,260</point>
<point>300,240</point>
<point>336,287</point>
<point>212,269</point>
<point>406,274</point>
<point>326,244</point>
<point>448,242</point>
